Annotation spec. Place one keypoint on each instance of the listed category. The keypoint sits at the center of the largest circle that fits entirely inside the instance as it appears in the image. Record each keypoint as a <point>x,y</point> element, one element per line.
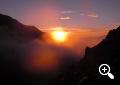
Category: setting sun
<point>59,35</point>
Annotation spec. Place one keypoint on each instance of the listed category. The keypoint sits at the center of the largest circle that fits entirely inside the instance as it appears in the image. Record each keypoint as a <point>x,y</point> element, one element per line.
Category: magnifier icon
<point>104,69</point>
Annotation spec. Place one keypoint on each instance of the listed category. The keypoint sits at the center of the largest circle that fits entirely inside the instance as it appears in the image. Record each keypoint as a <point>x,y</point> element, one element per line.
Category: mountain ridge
<point>13,28</point>
<point>106,52</point>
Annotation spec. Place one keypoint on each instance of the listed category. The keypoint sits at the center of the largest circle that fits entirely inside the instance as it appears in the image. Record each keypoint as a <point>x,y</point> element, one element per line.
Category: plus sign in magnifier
<point>104,69</point>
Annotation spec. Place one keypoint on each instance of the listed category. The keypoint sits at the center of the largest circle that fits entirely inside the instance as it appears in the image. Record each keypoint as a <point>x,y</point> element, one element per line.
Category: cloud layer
<point>65,18</point>
<point>93,15</point>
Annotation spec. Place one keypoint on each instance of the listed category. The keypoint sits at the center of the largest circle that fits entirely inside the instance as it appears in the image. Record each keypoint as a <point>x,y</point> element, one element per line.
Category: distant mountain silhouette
<point>15,38</point>
<point>11,28</point>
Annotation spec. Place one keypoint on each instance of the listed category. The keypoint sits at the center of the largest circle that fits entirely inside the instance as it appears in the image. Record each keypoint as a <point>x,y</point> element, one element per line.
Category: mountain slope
<point>16,39</point>
<point>11,28</point>
<point>106,52</point>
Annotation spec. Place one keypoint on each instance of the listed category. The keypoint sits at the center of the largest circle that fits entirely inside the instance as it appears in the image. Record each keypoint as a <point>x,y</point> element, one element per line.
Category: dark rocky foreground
<point>14,37</point>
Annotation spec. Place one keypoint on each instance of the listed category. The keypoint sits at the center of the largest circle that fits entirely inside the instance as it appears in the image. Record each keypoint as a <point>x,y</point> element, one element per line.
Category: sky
<point>90,14</point>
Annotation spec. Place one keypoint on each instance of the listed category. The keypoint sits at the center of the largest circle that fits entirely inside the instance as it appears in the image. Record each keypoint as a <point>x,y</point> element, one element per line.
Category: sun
<point>59,35</point>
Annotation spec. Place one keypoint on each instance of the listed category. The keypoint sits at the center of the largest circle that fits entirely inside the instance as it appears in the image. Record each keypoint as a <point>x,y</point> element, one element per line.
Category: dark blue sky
<point>67,13</point>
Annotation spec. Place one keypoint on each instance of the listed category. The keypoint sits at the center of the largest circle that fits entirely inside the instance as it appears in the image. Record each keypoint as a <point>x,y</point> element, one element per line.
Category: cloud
<point>65,18</point>
<point>67,12</point>
<point>93,15</point>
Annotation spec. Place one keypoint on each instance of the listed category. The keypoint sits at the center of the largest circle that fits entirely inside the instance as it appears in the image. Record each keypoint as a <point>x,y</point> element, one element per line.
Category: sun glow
<point>59,35</point>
